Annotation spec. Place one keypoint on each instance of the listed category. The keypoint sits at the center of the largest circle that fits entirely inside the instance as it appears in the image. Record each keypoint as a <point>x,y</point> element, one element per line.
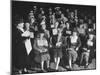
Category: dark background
<point>21,8</point>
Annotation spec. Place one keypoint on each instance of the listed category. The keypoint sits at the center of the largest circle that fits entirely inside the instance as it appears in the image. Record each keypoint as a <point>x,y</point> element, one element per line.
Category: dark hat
<point>41,31</point>
<point>21,20</point>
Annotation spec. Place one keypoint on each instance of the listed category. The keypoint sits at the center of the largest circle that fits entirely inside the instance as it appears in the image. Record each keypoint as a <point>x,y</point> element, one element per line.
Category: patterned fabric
<point>72,54</point>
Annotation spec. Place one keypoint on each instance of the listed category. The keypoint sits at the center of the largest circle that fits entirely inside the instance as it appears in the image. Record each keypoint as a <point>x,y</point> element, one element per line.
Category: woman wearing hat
<point>23,46</point>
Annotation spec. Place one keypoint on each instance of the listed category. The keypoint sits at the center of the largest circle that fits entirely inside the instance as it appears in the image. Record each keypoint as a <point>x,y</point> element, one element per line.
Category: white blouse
<point>55,31</point>
<point>74,39</point>
<point>90,43</point>
<point>42,43</point>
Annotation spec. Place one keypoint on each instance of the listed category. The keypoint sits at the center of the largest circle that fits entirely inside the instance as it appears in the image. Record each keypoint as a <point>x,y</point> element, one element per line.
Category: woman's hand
<point>26,34</point>
<point>58,44</point>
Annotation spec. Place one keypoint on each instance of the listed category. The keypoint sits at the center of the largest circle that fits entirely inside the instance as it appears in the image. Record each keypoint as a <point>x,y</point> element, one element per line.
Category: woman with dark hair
<point>88,50</point>
<point>41,50</point>
<point>67,31</point>
<point>73,48</point>
<point>56,42</point>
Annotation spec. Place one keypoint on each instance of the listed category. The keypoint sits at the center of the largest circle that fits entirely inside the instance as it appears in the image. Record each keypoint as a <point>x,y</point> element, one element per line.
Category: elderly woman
<point>20,47</point>
<point>23,45</point>
<point>41,50</point>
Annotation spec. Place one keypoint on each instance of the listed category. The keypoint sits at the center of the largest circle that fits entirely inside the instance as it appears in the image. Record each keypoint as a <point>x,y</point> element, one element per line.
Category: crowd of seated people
<point>60,37</point>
